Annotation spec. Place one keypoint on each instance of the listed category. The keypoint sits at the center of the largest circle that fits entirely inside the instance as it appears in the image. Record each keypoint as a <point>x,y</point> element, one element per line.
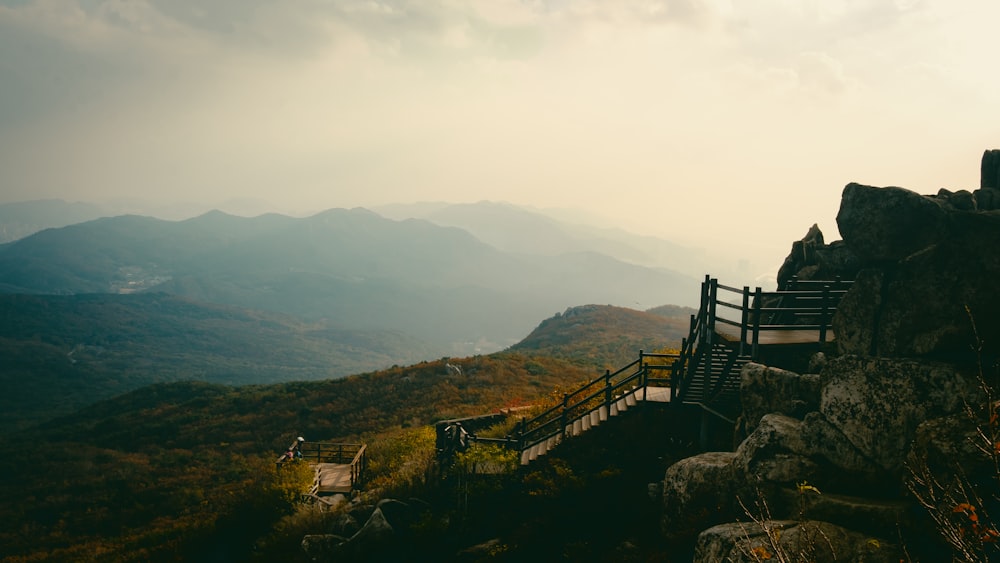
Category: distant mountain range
<point>21,219</point>
<point>350,269</point>
<point>515,229</point>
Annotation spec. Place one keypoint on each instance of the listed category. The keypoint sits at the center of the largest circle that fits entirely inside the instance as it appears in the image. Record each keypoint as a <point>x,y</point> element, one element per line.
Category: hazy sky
<point>657,113</point>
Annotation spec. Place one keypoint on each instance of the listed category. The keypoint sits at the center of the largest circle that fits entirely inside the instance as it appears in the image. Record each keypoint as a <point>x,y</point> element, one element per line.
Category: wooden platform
<point>333,478</point>
<point>731,335</point>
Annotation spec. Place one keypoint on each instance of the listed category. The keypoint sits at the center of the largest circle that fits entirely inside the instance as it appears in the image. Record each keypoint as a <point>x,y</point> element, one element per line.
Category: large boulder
<point>883,225</point>
<point>698,492</point>
<point>928,286</point>
<point>877,403</point>
<point>789,540</point>
<point>766,390</point>
<point>812,259</point>
<point>784,451</point>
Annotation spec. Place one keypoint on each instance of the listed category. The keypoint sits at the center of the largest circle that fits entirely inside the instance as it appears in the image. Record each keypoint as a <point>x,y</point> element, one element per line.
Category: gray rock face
<point>819,542</point>
<point>777,439</point>
<point>921,319</point>
<point>810,258</point>
<point>920,293</point>
<point>888,224</point>
<point>698,492</point>
<point>877,404</point>
<point>766,390</point>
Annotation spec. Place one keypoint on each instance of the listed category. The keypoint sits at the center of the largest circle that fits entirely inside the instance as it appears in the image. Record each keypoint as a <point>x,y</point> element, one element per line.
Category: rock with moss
<point>698,492</point>
<point>766,390</point>
<point>790,540</point>
<point>877,403</point>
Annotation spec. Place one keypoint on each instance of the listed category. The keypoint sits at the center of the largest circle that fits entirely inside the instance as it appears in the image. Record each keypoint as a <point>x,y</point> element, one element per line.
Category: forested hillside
<point>179,470</point>
<point>64,352</point>
<point>606,337</point>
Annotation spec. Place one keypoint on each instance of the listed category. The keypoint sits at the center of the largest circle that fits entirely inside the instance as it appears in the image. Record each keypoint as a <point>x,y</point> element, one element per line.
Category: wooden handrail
<point>601,391</point>
<point>695,355</point>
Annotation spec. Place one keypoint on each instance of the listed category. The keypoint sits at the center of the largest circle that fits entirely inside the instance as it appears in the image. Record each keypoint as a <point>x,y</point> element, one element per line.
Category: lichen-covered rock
<point>783,450</point>
<point>766,390</point>
<point>877,404</point>
<point>952,444</point>
<point>929,272</point>
<point>883,225</point>
<point>854,323</point>
<point>787,540</point>
<point>698,492</point>
<point>881,517</point>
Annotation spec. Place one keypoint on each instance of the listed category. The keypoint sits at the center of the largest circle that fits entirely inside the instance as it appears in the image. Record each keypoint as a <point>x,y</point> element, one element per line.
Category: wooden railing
<point>801,305</point>
<point>602,391</point>
<point>355,455</point>
<point>805,305</point>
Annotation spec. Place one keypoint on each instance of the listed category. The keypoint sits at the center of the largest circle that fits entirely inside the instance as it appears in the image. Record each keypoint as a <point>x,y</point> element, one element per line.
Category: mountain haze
<point>63,352</point>
<point>520,230</point>
<point>351,269</point>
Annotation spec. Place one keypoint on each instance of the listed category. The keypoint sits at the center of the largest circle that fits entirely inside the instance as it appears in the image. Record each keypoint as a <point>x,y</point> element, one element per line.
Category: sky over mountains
<point>645,112</point>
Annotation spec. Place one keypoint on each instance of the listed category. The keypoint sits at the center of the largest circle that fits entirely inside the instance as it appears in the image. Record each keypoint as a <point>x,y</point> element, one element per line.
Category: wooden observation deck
<point>340,468</point>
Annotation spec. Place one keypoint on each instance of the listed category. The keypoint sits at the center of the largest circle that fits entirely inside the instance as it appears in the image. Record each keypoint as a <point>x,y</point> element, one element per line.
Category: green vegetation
<point>64,352</point>
<point>604,336</point>
<point>174,470</point>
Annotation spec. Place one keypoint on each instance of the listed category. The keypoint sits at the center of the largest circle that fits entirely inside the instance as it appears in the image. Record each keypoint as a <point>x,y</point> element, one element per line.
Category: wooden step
<point>595,417</point>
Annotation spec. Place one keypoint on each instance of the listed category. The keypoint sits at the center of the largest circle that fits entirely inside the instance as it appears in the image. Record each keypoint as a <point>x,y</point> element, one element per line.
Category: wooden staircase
<point>724,335</point>
<point>596,417</point>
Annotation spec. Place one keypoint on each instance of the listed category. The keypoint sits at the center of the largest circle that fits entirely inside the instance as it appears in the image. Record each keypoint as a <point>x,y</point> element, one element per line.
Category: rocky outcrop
<point>928,273</point>
<point>901,406</point>
<point>877,404</point>
<point>766,390</point>
<point>819,542</point>
<point>888,224</point>
<point>698,492</point>
<point>812,259</point>
<point>989,176</point>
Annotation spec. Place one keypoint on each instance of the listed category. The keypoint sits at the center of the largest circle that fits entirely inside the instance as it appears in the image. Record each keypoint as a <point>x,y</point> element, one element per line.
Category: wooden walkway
<point>340,468</point>
<point>731,327</point>
<point>333,478</point>
<point>731,336</point>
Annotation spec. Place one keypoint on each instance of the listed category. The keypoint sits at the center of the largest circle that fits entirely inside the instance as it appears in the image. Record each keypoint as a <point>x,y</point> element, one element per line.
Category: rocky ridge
<point>837,464</point>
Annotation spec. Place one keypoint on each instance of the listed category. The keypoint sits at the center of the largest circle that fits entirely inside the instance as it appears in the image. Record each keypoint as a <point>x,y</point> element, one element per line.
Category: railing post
<point>642,374</point>
<point>677,370</point>
<point>562,415</point>
<point>824,313</point>
<point>520,434</point>
<point>756,324</point>
<point>745,319</point>
<point>713,295</point>
<point>607,390</point>
<point>706,304</point>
